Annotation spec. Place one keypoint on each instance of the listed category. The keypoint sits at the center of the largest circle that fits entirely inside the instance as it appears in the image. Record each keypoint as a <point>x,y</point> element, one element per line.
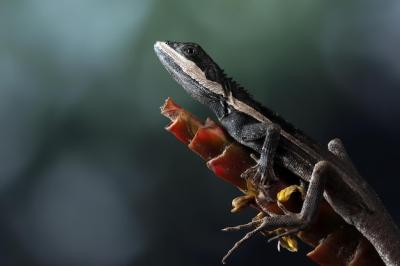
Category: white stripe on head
<point>190,68</point>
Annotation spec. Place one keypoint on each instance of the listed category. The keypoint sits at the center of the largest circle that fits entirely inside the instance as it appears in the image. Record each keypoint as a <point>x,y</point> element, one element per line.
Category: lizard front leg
<point>263,172</point>
<point>294,222</point>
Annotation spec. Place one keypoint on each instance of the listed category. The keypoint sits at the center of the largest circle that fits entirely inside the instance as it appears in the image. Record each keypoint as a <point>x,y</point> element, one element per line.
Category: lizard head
<point>193,69</point>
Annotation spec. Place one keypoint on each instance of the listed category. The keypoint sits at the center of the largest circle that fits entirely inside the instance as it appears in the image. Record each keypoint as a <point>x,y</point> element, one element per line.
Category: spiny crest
<point>230,84</point>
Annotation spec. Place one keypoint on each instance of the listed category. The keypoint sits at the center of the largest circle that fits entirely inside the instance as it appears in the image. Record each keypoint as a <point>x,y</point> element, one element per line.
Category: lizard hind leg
<point>293,222</point>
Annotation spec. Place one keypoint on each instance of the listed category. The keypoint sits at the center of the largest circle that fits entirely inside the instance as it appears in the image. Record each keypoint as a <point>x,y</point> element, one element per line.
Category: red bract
<point>335,242</point>
<point>184,125</point>
<point>219,147</point>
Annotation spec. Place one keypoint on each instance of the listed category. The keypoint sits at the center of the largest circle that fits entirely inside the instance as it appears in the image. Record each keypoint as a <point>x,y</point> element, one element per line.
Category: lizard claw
<point>264,225</point>
<point>260,174</point>
<point>260,224</point>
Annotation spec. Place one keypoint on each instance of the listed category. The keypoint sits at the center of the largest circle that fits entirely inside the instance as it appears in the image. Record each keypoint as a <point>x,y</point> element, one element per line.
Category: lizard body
<point>329,171</point>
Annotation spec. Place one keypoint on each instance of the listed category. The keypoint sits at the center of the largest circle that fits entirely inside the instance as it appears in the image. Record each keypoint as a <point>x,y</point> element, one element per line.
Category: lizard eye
<point>190,51</point>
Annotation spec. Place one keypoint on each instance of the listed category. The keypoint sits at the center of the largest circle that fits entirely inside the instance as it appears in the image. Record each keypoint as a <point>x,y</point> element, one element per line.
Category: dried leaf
<point>289,243</point>
<point>285,194</point>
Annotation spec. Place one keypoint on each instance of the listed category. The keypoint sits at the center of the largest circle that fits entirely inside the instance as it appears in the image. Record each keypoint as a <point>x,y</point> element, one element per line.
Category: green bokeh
<point>88,176</point>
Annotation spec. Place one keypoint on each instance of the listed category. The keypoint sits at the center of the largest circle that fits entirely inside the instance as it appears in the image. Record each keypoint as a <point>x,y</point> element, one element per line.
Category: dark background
<point>88,176</point>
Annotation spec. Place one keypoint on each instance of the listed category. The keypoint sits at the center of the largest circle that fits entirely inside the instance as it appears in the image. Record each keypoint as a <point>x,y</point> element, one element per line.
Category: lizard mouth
<point>169,64</point>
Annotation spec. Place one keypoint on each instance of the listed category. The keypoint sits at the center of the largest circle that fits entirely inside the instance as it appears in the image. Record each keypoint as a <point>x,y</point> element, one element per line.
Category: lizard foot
<point>260,173</point>
<point>265,225</point>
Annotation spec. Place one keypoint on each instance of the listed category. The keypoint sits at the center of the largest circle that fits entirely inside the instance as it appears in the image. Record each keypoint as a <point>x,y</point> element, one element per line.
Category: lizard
<point>328,171</point>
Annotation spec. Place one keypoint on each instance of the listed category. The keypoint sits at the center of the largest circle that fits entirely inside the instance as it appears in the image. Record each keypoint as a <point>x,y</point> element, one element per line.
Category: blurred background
<point>89,176</point>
